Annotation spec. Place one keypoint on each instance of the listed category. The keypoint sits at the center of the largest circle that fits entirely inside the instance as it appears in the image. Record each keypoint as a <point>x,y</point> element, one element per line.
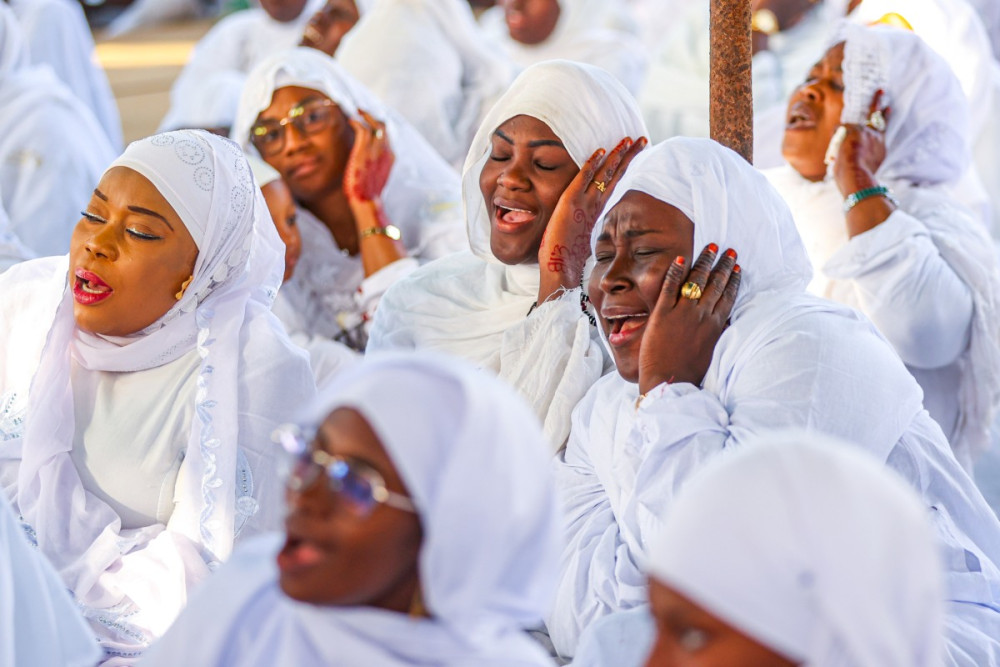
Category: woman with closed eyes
<point>140,375</point>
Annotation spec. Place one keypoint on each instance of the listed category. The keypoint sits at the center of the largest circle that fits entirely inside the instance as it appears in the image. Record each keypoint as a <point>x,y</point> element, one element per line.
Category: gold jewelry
<point>764,21</point>
<point>691,290</point>
<point>391,231</point>
<point>184,286</point>
<point>600,185</point>
<point>378,133</point>
<point>876,121</point>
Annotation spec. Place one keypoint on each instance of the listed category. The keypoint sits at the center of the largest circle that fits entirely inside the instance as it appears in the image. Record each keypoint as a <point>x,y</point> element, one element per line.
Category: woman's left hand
<point>370,162</point>
<point>861,152</point>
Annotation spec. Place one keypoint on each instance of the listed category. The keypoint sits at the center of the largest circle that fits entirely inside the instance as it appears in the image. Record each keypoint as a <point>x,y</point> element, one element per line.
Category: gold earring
<point>184,286</point>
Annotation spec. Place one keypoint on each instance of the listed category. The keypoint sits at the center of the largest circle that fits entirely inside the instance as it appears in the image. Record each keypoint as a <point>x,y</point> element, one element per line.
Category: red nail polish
<point>679,261</point>
<point>712,248</point>
<point>736,269</point>
<point>731,254</point>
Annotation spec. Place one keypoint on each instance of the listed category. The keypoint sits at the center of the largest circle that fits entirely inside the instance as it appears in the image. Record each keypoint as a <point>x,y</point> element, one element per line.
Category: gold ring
<point>600,185</point>
<point>378,133</point>
<point>876,121</point>
<point>691,290</point>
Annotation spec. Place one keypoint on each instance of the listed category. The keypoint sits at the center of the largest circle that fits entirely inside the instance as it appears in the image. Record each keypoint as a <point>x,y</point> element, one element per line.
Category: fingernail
<point>679,261</point>
<point>731,254</point>
<point>643,140</point>
<point>712,248</point>
<point>736,269</point>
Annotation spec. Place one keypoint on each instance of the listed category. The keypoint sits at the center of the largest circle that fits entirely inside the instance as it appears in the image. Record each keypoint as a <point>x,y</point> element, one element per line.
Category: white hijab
<point>457,291</point>
<point>379,51</point>
<point>207,181</point>
<point>473,458</point>
<point>927,144</point>
<point>811,548</point>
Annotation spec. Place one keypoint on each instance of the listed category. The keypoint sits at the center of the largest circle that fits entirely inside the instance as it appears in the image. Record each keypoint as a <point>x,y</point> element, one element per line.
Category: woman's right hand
<point>565,245</point>
<point>682,332</point>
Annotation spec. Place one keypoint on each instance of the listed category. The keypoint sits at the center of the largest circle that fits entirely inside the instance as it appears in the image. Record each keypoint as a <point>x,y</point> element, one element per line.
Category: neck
<point>334,211</point>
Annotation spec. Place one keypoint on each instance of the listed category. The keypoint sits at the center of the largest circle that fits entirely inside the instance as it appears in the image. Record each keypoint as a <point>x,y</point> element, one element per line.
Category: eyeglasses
<point>311,117</point>
<point>354,481</point>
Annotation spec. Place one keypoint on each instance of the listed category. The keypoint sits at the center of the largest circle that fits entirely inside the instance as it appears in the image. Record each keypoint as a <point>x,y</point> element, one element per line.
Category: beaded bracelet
<point>856,198</point>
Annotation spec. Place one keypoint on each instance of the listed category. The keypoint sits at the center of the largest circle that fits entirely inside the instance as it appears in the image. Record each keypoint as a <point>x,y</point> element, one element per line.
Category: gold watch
<point>392,231</point>
<point>764,21</point>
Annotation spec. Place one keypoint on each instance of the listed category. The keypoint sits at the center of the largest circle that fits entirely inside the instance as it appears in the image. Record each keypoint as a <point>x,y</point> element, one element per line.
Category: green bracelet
<point>856,198</point>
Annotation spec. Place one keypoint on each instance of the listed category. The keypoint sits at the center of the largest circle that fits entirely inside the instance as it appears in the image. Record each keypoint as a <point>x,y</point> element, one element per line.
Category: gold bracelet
<point>392,231</point>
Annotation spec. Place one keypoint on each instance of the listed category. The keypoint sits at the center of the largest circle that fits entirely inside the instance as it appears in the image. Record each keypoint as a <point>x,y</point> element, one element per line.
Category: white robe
<point>207,91</point>
<point>58,35</point>
<point>428,60</point>
<point>52,149</point>
<point>472,305</point>
<point>596,32</point>
<point>39,624</point>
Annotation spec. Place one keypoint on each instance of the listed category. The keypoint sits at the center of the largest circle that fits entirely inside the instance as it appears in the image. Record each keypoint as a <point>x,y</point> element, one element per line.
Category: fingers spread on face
<point>718,279</point>
<point>703,266</point>
<point>672,284</point>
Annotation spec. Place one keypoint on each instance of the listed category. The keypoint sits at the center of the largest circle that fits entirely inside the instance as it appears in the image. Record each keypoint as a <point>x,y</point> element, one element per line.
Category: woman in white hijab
<point>421,530</point>
<point>797,550</point>
<point>596,32</point>
<point>919,266</point>
<point>52,149</point>
<point>136,401</point>
<point>532,169</point>
<point>374,197</point>
<point>703,368</point>
<point>39,624</point>
<point>427,59</point>
<point>206,93</point>
<point>57,35</point>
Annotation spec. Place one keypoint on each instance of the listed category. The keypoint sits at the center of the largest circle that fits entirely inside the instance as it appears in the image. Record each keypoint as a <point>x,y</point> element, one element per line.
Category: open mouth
<point>88,288</point>
<point>622,328</point>
<point>298,554</point>
<point>800,117</point>
<point>510,218</point>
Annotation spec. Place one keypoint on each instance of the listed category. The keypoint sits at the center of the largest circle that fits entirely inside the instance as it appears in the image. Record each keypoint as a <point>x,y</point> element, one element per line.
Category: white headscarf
<point>420,179</point>
<point>474,461</point>
<point>207,181</point>
<point>458,75</point>
<point>927,137</point>
<point>813,549</point>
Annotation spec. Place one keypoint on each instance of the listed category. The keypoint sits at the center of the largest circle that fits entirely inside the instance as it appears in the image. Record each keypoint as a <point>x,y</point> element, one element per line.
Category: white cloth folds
<point>133,582</point>
<point>811,548</point>
<point>473,459</point>
<point>472,305</point>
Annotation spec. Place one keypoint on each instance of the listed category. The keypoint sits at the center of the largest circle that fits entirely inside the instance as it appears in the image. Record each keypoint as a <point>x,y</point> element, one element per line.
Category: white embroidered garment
<point>132,582</point>
<point>39,624</point>
<point>597,32</point>
<point>57,35</point>
<point>813,549</point>
<point>52,149</point>
<point>786,360</point>
<point>928,275</point>
<point>421,198</point>
<point>472,456</point>
<point>207,91</point>
<point>428,60</point>
<point>475,307</point>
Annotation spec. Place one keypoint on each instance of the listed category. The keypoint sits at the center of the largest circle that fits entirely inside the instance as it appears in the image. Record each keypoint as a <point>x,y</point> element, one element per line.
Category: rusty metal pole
<point>731,106</point>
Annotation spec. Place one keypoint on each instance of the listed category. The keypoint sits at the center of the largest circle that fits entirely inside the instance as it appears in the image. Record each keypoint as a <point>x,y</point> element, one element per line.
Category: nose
<point>810,90</point>
<point>103,242</point>
<point>616,276</point>
<point>295,138</point>
<point>513,176</point>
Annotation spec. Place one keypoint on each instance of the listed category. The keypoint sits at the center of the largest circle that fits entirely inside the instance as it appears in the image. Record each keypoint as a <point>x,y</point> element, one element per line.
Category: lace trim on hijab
<point>866,70</point>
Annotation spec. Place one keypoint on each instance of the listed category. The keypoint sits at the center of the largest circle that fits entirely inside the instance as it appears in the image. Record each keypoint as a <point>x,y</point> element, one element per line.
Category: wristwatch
<point>764,21</point>
<point>392,231</point>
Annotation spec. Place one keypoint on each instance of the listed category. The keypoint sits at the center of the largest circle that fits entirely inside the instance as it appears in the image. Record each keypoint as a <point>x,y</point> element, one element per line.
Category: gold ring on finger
<point>691,290</point>
<point>600,185</point>
<point>378,133</point>
<point>876,121</point>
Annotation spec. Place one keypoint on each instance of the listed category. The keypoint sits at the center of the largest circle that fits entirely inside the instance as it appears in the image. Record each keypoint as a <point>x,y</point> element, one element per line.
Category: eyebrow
<point>531,144</point>
<point>146,211</point>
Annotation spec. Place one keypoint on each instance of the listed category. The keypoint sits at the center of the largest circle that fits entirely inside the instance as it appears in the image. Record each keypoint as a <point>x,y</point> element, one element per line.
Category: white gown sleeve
<point>552,357</point>
<point>908,290</point>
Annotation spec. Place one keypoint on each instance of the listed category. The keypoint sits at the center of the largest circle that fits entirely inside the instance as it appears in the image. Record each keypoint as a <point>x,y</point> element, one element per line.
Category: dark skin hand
<point>565,246</point>
<point>698,323</point>
<point>328,26</point>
